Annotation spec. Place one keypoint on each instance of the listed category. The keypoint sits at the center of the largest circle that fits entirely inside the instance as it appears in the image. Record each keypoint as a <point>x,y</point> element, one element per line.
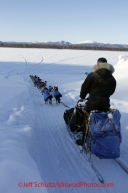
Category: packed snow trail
<point>58,161</point>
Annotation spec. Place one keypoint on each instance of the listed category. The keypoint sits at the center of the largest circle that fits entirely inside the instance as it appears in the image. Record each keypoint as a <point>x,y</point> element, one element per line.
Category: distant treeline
<point>53,46</point>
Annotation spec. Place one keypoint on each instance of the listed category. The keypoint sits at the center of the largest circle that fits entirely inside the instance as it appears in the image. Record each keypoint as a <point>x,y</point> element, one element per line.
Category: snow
<point>88,42</point>
<point>101,44</point>
<point>35,146</point>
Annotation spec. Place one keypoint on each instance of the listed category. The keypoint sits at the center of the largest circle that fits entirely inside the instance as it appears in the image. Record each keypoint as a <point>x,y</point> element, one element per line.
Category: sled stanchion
<point>86,130</point>
<point>85,137</point>
<point>71,119</point>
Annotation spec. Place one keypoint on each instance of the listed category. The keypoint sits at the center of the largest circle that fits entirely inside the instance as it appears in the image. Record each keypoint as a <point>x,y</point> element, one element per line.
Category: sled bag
<point>74,119</point>
<point>105,130</point>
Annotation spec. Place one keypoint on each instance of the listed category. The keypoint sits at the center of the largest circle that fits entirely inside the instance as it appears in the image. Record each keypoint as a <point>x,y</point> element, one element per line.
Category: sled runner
<point>101,131</point>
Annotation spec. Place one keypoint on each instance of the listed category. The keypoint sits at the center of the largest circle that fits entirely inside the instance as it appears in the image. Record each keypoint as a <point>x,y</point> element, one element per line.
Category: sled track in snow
<point>35,65</point>
<point>53,143</point>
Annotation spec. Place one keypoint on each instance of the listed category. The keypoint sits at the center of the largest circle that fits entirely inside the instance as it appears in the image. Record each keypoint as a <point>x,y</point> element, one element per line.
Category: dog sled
<point>100,132</point>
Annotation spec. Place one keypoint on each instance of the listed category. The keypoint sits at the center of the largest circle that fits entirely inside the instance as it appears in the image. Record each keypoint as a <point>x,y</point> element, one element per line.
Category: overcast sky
<point>69,20</point>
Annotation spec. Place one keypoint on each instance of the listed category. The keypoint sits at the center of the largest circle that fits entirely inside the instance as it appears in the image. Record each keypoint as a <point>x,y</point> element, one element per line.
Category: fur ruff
<point>100,65</point>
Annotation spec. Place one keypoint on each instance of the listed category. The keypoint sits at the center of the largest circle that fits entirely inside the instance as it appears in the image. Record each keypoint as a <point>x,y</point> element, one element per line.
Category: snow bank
<point>121,68</point>
<point>17,133</point>
<point>121,75</point>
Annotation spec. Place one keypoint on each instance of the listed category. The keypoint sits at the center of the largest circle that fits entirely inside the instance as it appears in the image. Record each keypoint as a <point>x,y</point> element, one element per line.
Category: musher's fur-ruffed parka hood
<point>101,65</point>
<point>100,85</point>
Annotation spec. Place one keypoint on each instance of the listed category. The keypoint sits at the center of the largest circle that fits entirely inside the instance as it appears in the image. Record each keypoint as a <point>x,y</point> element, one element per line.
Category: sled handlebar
<point>80,101</point>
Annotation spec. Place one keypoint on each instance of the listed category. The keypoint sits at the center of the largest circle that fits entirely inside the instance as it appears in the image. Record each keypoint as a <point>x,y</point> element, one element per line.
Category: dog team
<point>48,92</point>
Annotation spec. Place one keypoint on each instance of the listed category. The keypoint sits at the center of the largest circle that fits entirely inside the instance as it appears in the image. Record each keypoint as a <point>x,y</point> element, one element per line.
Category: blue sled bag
<point>105,130</point>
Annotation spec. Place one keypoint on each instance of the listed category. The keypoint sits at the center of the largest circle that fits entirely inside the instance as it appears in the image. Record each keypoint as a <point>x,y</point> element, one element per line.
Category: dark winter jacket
<point>100,85</point>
